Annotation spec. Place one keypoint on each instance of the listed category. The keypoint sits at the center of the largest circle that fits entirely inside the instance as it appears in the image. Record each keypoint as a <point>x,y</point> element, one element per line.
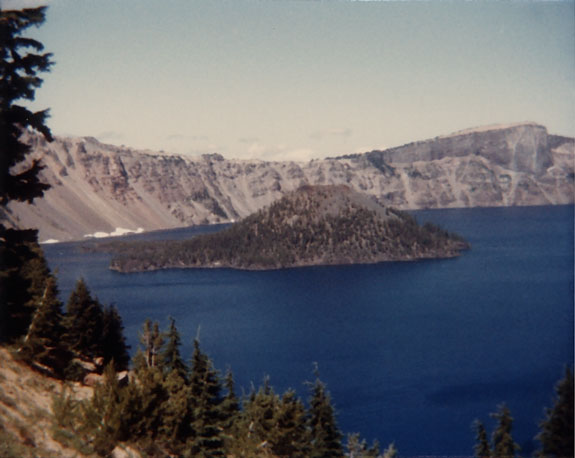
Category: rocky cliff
<point>103,188</point>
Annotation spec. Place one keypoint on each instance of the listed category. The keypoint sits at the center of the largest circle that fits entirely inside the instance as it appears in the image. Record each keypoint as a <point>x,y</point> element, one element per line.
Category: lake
<point>411,352</point>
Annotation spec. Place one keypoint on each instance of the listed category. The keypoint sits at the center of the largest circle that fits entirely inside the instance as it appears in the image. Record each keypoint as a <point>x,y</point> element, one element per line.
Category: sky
<point>299,80</point>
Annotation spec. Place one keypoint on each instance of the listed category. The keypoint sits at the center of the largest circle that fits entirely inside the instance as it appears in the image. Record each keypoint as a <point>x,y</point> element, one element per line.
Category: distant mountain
<point>315,225</point>
<point>106,189</point>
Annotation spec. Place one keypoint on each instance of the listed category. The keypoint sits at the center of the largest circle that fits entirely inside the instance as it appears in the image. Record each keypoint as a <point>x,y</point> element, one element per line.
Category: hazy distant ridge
<point>99,188</point>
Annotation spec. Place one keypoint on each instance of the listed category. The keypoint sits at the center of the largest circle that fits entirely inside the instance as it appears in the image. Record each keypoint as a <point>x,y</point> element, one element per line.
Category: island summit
<point>315,225</point>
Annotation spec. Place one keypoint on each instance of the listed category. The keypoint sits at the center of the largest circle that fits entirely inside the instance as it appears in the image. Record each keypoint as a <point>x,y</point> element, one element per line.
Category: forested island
<point>315,225</point>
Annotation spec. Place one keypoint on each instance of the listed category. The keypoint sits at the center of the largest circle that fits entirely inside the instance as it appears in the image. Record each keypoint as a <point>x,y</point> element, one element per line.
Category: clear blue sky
<point>302,79</point>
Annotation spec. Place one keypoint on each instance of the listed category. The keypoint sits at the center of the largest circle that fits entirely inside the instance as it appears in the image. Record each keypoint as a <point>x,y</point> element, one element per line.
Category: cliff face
<point>99,188</point>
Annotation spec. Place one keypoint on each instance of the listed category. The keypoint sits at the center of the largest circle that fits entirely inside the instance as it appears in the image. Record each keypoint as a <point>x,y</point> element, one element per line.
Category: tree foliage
<point>325,434</point>
<point>44,341</point>
<point>482,448</point>
<point>22,265</point>
<point>503,443</point>
<point>556,434</point>
<point>21,60</point>
<point>84,322</point>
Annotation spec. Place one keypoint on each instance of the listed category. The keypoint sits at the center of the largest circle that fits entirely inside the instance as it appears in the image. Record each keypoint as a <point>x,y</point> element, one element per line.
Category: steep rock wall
<point>98,187</point>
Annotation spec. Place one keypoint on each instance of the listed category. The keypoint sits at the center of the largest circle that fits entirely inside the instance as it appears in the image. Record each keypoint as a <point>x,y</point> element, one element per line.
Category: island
<point>314,225</point>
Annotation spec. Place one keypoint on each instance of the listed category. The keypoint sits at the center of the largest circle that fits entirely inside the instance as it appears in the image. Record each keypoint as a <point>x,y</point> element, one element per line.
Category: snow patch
<point>50,241</point>
<point>119,231</point>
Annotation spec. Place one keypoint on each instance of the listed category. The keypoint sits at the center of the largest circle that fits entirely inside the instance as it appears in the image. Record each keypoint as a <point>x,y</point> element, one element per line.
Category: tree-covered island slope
<point>315,225</point>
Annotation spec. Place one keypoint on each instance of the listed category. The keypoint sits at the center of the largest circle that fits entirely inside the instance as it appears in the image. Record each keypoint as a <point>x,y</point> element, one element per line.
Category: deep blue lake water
<point>411,352</point>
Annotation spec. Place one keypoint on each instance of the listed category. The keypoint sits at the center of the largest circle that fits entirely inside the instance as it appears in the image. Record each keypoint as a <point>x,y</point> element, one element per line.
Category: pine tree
<point>43,342</point>
<point>19,69</point>
<point>230,406</point>
<point>556,434</point>
<point>254,428</point>
<point>104,415</point>
<point>20,64</point>
<point>205,400</point>
<point>23,275</point>
<point>113,342</point>
<point>482,448</point>
<point>503,444</point>
<point>357,448</point>
<point>325,434</point>
<point>290,436</point>
<point>149,398</point>
<point>84,322</point>
<point>172,360</point>
<point>390,451</point>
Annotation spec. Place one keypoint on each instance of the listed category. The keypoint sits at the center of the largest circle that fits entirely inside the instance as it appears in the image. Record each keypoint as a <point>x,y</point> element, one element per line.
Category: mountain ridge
<point>102,188</point>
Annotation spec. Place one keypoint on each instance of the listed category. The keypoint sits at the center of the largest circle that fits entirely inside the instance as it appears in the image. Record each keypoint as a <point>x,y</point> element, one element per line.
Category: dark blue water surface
<point>411,352</point>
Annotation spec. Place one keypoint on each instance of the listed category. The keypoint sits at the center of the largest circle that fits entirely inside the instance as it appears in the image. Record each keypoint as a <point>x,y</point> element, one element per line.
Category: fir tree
<point>84,322</point>
<point>290,436</point>
<point>325,434</point>
<point>390,451</point>
<point>259,420</point>
<point>103,416</point>
<point>23,276</point>
<point>113,342</point>
<point>357,447</point>
<point>482,448</point>
<point>503,444</point>
<point>230,406</point>
<point>172,360</point>
<point>177,415</point>
<point>556,434</point>
<point>20,64</point>
<point>205,400</point>
<point>43,341</point>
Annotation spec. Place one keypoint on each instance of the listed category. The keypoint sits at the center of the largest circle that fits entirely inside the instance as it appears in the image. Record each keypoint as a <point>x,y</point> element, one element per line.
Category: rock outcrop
<point>104,188</point>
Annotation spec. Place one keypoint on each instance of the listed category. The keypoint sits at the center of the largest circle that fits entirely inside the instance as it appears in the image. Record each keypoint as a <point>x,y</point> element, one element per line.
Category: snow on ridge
<point>119,231</point>
<point>49,241</point>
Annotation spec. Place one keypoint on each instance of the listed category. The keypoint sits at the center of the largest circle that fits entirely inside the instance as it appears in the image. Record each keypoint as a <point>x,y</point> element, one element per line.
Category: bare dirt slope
<point>25,410</point>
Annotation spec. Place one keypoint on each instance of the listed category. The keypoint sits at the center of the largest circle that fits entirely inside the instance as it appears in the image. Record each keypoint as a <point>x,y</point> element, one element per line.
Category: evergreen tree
<point>104,415</point>
<point>84,322</point>
<point>556,434</point>
<point>482,448</point>
<point>113,342</point>
<point>149,398</point>
<point>290,435</point>
<point>230,406</point>
<point>172,360</point>
<point>357,447</point>
<point>23,276</point>
<point>325,434</point>
<point>205,400</point>
<point>20,64</point>
<point>503,444</point>
<point>43,341</point>
<point>177,415</point>
<point>390,451</point>
<point>257,428</point>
